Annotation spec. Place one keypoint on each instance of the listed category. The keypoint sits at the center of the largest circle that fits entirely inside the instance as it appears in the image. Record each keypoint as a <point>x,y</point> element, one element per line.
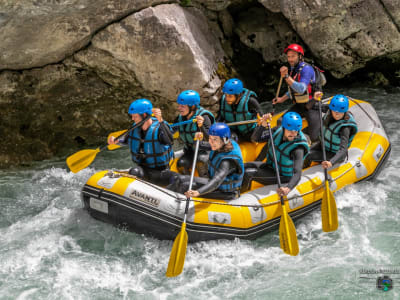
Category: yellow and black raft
<point>118,198</point>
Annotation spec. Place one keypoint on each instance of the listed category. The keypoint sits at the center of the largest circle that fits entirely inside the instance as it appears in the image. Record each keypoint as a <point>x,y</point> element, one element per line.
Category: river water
<point>50,248</point>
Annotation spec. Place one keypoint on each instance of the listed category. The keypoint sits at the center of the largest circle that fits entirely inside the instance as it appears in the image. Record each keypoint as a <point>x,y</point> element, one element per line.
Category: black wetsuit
<point>263,173</point>
<point>205,186</point>
<point>185,162</point>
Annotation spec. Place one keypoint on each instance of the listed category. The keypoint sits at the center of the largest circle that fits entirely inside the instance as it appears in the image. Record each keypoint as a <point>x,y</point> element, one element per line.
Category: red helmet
<point>296,48</point>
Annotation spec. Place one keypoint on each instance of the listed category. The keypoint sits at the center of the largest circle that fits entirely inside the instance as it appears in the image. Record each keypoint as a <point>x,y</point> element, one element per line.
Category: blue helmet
<point>292,121</point>
<point>220,129</point>
<point>233,87</point>
<point>339,103</point>
<point>141,106</point>
<point>189,97</point>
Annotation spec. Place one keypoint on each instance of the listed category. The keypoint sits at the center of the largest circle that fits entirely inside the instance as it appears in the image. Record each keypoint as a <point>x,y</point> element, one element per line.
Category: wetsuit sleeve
<point>226,167</point>
<point>205,127</point>
<point>297,156</point>
<point>344,142</point>
<point>165,134</point>
<point>254,107</point>
<point>299,87</point>
<point>260,134</point>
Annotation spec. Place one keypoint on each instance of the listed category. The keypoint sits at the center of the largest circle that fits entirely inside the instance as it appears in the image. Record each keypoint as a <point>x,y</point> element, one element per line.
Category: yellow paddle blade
<point>176,134</point>
<point>178,253</point>
<point>328,210</point>
<point>287,234</point>
<point>81,159</point>
<point>115,134</point>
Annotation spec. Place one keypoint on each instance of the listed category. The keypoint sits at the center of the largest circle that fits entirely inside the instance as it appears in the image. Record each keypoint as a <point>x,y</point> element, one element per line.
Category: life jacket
<point>284,149</point>
<point>332,131</point>
<point>187,131</point>
<point>240,114</point>
<point>233,181</point>
<point>296,75</point>
<point>149,152</point>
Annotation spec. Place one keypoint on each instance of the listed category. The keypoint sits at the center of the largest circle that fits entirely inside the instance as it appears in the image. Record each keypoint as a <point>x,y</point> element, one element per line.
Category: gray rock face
<point>154,53</point>
<point>166,48</point>
<point>345,34</point>
<point>34,33</point>
<point>266,32</point>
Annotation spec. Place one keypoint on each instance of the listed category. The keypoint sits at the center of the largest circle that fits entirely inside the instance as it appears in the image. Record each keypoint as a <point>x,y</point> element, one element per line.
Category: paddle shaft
<point>278,178</point>
<point>322,138</point>
<point>196,151</point>
<point>132,128</point>
<point>277,93</point>
<point>242,122</point>
<point>183,123</point>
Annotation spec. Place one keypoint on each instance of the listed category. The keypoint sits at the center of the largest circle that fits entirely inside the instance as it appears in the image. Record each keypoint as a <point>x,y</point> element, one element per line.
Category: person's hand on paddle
<point>198,136</point>
<point>112,141</point>
<point>326,164</point>
<point>278,100</point>
<point>284,71</point>
<point>283,191</point>
<point>318,96</point>
<point>192,193</point>
<point>265,119</point>
<point>200,121</point>
<point>157,114</point>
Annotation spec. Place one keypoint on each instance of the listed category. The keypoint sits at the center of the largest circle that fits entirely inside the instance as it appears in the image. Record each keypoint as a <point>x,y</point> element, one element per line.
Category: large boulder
<point>37,33</point>
<point>154,53</point>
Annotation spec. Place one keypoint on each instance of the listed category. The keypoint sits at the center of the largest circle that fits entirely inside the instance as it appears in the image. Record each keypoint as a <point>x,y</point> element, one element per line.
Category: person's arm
<point>307,76</point>
<point>344,142</point>
<point>254,107</point>
<point>226,167</point>
<point>297,156</point>
<point>165,134</point>
<point>261,134</point>
<point>205,126</point>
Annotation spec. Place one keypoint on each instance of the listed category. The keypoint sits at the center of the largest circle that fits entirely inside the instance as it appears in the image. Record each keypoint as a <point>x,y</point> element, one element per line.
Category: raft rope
<point>176,196</point>
<point>116,174</point>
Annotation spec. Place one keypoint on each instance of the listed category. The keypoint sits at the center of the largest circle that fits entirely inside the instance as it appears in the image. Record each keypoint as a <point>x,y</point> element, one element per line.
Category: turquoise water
<point>50,248</point>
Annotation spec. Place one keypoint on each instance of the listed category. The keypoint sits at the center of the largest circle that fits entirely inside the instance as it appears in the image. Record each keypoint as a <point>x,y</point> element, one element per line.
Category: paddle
<point>277,94</point>
<point>178,252</point>
<point>329,214</point>
<point>81,159</point>
<point>287,231</point>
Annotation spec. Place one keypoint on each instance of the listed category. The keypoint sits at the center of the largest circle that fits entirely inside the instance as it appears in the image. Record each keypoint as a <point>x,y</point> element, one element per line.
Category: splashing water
<point>51,248</point>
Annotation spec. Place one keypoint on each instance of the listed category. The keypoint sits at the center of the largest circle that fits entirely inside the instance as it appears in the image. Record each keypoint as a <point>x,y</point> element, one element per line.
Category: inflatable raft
<point>121,199</point>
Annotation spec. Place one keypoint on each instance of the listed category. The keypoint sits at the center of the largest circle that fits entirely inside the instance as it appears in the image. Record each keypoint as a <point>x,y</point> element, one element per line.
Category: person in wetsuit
<point>225,168</point>
<point>189,108</point>
<point>150,144</point>
<point>339,130</point>
<point>291,147</point>
<point>238,104</point>
<point>300,78</point>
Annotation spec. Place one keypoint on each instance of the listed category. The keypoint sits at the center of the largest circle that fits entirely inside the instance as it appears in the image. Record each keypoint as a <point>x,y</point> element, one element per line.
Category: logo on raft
<point>144,198</point>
